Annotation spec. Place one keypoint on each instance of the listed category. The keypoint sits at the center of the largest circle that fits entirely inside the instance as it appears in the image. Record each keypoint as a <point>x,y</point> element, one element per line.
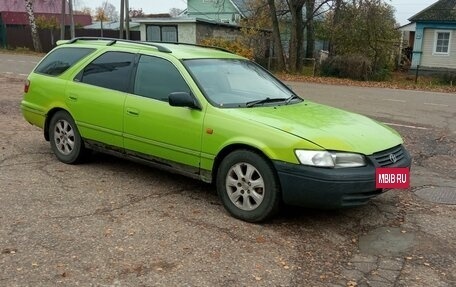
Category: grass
<point>20,50</point>
<point>399,80</point>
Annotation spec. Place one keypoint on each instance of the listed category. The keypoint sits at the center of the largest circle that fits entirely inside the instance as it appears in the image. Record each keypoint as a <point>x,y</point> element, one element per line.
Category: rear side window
<point>60,60</point>
<point>111,70</point>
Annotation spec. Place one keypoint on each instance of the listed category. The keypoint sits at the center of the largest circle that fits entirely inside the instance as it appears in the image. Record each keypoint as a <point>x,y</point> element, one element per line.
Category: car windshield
<point>238,83</point>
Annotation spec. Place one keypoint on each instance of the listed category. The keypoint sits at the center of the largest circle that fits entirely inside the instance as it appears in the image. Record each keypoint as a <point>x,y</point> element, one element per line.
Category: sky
<point>404,8</point>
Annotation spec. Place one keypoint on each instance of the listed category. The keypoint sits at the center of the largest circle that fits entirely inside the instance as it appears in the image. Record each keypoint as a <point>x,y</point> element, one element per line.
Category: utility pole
<point>70,6</point>
<point>122,19</point>
<point>62,23</point>
<point>127,19</point>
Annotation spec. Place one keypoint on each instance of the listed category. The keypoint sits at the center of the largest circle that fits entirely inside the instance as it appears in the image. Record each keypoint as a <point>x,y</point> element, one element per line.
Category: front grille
<point>389,157</point>
<point>356,199</point>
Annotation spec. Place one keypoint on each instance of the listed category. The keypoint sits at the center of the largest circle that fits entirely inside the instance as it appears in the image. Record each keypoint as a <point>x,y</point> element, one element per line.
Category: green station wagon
<point>210,115</point>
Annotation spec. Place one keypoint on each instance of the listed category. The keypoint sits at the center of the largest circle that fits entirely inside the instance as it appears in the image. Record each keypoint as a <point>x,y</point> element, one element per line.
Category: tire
<point>66,142</point>
<point>248,186</point>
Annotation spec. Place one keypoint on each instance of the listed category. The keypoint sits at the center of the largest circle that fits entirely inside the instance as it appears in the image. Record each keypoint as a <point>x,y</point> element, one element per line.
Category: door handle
<point>132,112</point>
<point>73,97</point>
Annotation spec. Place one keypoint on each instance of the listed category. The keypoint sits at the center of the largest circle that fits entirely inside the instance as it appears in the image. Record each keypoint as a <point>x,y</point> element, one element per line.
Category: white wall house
<point>434,46</point>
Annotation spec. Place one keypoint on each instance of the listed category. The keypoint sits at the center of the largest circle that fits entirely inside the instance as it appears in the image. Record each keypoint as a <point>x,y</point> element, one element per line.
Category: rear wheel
<point>248,187</point>
<point>66,142</point>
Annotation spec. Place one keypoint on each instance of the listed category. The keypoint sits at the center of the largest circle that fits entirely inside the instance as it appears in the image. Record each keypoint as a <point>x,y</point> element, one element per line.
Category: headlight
<point>330,159</point>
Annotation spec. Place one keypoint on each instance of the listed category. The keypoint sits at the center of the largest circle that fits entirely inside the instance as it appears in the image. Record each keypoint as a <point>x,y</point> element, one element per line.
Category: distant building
<point>12,12</point>
<point>228,12</point>
<point>184,29</point>
<point>14,19</point>
<point>434,43</point>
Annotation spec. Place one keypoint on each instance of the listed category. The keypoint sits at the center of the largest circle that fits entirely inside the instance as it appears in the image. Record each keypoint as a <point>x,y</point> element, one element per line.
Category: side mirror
<point>183,99</point>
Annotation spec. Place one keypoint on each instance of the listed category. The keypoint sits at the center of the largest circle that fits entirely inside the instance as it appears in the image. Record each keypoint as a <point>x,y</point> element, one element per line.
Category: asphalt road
<point>111,222</point>
<point>17,64</point>
<point>417,108</point>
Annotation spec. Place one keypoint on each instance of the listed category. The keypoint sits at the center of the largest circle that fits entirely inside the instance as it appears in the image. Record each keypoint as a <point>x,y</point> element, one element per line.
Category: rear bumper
<point>33,114</point>
<point>329,188</point>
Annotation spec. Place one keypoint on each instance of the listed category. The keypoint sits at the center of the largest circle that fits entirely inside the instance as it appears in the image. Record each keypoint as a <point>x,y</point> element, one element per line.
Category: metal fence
<point>21,36</point>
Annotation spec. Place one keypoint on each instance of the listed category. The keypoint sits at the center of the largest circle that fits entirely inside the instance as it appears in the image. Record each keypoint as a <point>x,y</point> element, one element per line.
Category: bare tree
<point>174,12</point>
<point>276,36</point>
<point>35,35</point>
<point>310,29</point>
<point>297,34</point>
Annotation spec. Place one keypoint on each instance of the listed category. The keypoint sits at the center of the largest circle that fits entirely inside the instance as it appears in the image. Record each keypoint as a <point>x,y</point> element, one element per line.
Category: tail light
<point>26,86</point>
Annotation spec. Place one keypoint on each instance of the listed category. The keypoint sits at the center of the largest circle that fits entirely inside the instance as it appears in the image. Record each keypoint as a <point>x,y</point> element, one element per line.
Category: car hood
<point>328,127</point>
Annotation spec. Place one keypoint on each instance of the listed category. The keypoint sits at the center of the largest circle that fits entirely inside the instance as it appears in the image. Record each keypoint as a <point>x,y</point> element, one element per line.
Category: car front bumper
<point>331,187</point>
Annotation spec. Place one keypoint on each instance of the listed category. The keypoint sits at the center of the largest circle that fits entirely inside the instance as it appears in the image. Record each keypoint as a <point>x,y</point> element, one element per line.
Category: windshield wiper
<point>263,101</point>
<point>292,97</point>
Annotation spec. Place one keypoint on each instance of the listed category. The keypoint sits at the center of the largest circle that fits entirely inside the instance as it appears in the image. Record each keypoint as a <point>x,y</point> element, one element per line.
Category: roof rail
<point>113,41</point>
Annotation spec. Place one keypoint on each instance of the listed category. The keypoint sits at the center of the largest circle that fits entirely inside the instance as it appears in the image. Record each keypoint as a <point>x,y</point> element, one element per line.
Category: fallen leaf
<point>260,239</point>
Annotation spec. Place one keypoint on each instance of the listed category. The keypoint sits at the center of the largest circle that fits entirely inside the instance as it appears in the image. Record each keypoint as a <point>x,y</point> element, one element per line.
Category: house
<point>184,29</point>
<point>406,45</point>
<point>229,12</point>
<point>434,47</point>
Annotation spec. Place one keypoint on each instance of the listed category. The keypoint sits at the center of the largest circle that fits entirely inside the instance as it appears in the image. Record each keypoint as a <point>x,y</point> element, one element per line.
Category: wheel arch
<point>233,147</point>
<point>49,116</point>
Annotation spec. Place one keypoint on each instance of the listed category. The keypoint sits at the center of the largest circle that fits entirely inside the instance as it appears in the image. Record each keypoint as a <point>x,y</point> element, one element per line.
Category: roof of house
<point>183,19</point>
<point>441,11</point>
<point>114,25</point>
<point>242,7</point>
<point>21,18</point>
<point>39,6</point>
<point>408,27</point>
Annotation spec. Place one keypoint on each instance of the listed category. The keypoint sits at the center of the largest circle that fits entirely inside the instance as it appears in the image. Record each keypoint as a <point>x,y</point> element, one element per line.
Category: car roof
<point>178,50</point>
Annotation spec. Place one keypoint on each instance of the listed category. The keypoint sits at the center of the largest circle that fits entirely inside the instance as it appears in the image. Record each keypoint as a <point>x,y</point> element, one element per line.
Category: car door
<point>153,128</point>
<point>97,95</point>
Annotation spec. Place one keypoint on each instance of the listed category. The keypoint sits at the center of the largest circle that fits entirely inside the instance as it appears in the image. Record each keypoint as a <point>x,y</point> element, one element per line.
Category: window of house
<point>156,33</point>
<point>111,70</point>
<point>156,78</point>
<point>442,42</point>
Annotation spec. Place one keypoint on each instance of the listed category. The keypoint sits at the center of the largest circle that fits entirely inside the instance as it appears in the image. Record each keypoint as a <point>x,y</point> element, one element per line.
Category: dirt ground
<point>111,222</point>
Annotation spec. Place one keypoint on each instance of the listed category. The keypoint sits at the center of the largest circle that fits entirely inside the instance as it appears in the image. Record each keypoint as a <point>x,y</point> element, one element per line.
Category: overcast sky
<point>404,8</point>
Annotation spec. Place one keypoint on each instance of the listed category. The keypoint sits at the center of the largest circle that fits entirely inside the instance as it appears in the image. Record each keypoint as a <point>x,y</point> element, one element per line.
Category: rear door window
<point>60,60</point>
<point>111,70</point>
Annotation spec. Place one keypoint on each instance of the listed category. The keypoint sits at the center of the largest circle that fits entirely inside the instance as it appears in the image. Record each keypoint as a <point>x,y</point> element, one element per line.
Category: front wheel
<point>66,142</point>
<point>248,187</point>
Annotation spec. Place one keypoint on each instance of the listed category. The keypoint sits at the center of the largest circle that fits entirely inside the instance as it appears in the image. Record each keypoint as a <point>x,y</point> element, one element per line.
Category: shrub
<point>448,78</point>
<point>355,67</point>
<point>233,46</point>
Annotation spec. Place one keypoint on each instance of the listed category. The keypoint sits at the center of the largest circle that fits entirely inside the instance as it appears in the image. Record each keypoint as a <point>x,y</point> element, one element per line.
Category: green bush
<point>355,67</point>
<point>381,75</point>
<point>448,78</point>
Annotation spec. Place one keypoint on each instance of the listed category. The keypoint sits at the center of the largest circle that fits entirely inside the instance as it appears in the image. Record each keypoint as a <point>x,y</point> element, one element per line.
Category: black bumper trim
<point>329,187</point>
